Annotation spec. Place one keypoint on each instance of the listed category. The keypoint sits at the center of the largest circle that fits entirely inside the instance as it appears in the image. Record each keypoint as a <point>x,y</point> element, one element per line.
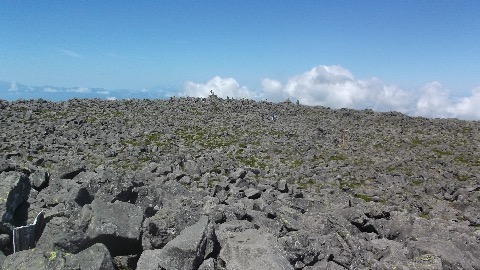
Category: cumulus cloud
<point>273,89</point>
<point>222,87</point>
<point>468,107</point>
<point>433,101</point>
<point>436,101</point>
<point>336,87</point>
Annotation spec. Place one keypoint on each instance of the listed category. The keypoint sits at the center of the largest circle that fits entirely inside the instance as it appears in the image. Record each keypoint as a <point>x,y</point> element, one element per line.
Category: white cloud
<point>222,87</point>
<point>103,92</point>
<point>468,107</point>
<point>83,90</point>
<point>433,101</point>
<point>71,53</point>
<point>50,90</point>
<point>273,89</point>
<point>325,85</point>
<point>13,87</point>
<point>336,87</point>
<point>111,98</point>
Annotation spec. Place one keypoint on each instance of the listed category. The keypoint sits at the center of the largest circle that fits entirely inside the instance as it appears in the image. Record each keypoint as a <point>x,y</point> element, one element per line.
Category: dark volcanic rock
<point>186,251</point>
<point>39,179</point>
<point>95,257</point>
<point>251,249</point>
<point>116,225</point>
<point>315,189</point>
<point>14,191</point>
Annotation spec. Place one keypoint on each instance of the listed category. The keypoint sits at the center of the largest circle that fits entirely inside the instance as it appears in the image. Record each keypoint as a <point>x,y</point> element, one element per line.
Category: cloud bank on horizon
<point>329,86</point>
<point>336,87</point>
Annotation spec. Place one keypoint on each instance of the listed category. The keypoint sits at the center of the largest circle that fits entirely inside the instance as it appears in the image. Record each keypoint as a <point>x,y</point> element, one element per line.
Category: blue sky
<point>176,44</point>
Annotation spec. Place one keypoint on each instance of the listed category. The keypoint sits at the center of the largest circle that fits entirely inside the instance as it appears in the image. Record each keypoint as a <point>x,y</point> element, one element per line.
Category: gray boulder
<point>282,186</point>
<point>208,264</point>
<point>253,193</point>
<point>453,255</point>
<point>186,251</point>
<point>70,169</point>
<point>14,190</point>
<point>60,235</point>
<point>325,265</point>
<point>251,249</point>
<point>95,257</point>
<point>237,174</point>
<point>116,225</point>
<point>27,259</point>
<point>39,179</point>
<point>167,223</point>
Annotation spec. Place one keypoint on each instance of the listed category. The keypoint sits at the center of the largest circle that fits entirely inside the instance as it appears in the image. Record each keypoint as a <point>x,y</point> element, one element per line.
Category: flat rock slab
<point>95,257</point>
<point>253,193</point>
<point>452,257</point>
<point>70,169</point>
<point>117,225</point>
<point>250,249</point>
<point>186,251</point>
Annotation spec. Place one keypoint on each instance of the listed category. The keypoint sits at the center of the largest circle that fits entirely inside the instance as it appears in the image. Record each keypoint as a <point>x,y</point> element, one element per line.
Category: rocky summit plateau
<point>210,183</point>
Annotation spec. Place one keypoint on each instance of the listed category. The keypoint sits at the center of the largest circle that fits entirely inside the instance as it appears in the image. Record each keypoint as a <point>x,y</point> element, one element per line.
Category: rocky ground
<point>208,183</point>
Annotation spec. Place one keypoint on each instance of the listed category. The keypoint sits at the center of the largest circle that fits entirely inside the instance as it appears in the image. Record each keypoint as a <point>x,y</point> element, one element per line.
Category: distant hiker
<point>274,116</point>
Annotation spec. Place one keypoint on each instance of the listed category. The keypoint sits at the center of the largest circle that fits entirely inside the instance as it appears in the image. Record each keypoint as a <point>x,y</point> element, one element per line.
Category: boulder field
<point>210,183</point>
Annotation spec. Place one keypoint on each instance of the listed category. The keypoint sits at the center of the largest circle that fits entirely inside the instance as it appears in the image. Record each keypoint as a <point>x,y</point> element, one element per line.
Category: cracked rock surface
<point>191,183</point>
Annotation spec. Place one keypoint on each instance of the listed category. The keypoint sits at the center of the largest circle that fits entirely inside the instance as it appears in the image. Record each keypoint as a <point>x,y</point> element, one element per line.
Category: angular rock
<point>80,195</point>
<point>282,186</point>
<point>238,174</point>
<point>39,179</point>
<point>57,192</point>
<point>60,234</point>
<point>253,193</point>
<point>116,225</point>
<point>251,249</point>
<point>6,166</point>
<point>96,257</point>
<point>325,265</point>
<point>208,264</point>
<point>186,251</point>
<point>93,223</point>
<point>168,222</point>
<point>5,241</point>
<point>14,190</point>
<point>461,256</point>
<point>70,169</point>
<point>27,259</point>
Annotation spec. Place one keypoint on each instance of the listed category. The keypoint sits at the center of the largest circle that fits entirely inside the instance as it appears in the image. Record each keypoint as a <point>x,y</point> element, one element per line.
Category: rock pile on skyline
<point>191,183</point>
